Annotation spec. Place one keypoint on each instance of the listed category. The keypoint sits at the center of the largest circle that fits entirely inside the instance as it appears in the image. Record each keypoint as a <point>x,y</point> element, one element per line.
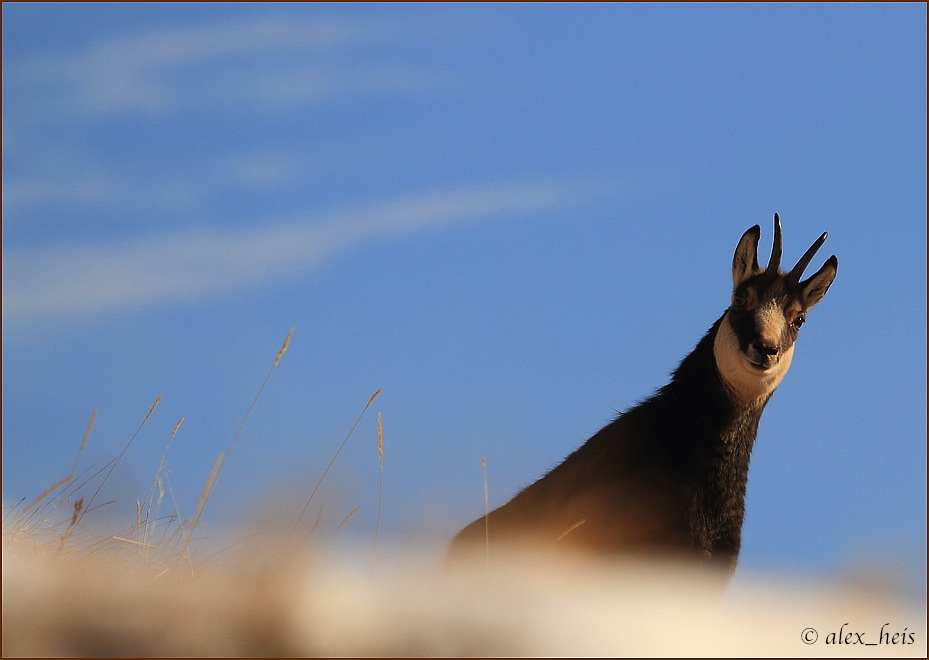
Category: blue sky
<point>515,219</point>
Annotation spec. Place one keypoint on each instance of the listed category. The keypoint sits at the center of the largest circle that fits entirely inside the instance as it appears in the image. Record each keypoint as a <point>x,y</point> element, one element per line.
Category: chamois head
<point>755,341</point>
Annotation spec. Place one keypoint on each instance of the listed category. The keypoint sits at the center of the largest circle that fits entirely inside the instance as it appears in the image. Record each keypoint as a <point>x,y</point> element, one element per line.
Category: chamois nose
<point>765,349</point>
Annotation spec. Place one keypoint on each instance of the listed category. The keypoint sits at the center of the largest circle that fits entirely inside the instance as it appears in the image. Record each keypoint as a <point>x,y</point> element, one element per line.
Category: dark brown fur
<point>668,477</point>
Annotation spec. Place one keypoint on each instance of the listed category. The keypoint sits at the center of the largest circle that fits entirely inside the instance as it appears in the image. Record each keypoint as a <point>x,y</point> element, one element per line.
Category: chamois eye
<point>738,302</point>
<point>798,321</point>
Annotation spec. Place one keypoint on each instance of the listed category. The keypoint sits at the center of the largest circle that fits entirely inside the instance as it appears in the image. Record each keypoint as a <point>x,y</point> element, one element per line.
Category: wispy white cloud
<point>268,59</point>
<point>261,170</point>
<point>46,172</point>
<point>192,74</point>
<point>58,181</point>
<point>83,189</point>
<point>181,266</point>
<point>299,85</point>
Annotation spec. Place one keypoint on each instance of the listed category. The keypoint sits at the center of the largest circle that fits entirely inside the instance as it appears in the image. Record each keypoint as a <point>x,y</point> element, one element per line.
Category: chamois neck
<point>699,389</point>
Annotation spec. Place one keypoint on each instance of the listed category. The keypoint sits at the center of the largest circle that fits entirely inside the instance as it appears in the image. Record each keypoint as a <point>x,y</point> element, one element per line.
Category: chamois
<point>668,476</point>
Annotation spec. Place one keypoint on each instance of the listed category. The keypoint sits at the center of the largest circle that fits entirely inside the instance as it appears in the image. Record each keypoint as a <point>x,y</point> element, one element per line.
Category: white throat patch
<point>747,383</point>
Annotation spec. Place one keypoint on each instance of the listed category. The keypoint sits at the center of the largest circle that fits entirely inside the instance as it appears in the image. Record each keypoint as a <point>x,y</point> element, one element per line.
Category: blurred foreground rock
<point>79,606</point>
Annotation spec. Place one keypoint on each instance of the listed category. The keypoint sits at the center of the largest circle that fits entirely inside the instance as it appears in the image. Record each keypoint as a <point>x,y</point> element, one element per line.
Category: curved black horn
<point>794,275</point>
<point>774,263</point>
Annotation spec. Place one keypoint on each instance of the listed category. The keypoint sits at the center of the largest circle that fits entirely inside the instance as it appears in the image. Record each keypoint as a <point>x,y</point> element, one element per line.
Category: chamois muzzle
<point>762,355</point>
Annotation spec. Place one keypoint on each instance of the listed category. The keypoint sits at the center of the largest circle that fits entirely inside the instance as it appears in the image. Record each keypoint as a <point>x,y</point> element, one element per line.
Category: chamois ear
<point>745,260</point>
<point>814,288</point>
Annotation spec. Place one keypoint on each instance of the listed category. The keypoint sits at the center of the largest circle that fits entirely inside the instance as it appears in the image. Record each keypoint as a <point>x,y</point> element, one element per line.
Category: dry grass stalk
<point>75,516</point>
<point>220,464</point>
<point>373,397</point>
<point>248,413</point>
<point>283,350</point>
<point>32,509</point>
<point>84,438</point>
<point>112,466</point>
<point>331,462</point>
<point>173,543</point>
<point>201,505</point>
<point>350,515</point>
<point>130,541</point>
<point>486,510</point>
<point>380,483</point>
<point>78,505</point>
<point>150,500</point>
<point>380,441</point>
<point>48,491</point>
<point>152,409</point>
<point>209,485</point>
